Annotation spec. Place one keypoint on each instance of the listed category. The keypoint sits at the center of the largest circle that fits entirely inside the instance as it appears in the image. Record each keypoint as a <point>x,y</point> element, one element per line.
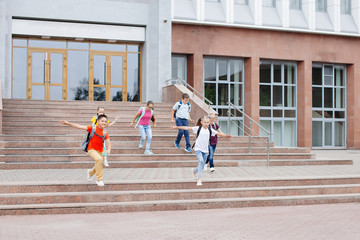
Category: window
<point>179,66</point>
<point>295,4</point>
<point>278,101</point>
<point>269,3</point>
<point>241,2</point>
<point>345,6</point>
<point>224,82</point>
<point>321,5</point>
<point>328,106</point>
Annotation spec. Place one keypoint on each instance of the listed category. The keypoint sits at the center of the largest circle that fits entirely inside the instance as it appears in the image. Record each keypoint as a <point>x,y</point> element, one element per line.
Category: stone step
<point>173,194</point>
<point>78,135</point>
<point>173,184</point>
<point>136,150</point>
<point>124,144</point>
<point>143,157</point>
<point>162,205</point>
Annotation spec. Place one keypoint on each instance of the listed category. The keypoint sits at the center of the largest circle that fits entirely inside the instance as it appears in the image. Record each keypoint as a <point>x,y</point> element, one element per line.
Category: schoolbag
<point>89,136</point>
<point>142,114</point>
<point>179,106</point>
<point>197,135</point>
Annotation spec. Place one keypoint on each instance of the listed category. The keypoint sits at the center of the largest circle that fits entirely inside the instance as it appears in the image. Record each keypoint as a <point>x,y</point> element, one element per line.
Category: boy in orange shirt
<point>95,148</point>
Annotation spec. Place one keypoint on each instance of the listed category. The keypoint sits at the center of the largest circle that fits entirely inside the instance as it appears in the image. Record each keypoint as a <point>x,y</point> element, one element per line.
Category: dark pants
<point>210,158</point>
<point>183,122</point>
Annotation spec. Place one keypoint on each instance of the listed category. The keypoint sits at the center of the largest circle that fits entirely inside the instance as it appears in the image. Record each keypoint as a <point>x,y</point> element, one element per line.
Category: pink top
<point>145,120</point>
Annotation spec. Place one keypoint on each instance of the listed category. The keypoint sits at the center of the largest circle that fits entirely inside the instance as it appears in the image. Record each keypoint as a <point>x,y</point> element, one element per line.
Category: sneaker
<point>106,164</point>
<point>176,145</point>
<point>100,183</point>
<point>205,167</point>
<point>88,177</point>
<point>212,169</point>
<point>148,152</point>
<point>140,146</point>
<point>194,174</point>
<point>199,183</point>
<point>188,150</point>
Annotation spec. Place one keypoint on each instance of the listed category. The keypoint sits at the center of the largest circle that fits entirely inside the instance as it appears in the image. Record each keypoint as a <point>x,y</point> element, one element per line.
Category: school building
<point>292,65</point>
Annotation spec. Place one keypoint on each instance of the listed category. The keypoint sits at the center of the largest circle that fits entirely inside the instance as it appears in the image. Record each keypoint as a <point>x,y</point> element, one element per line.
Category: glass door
<point>47,74</point>
<point>107,76</point>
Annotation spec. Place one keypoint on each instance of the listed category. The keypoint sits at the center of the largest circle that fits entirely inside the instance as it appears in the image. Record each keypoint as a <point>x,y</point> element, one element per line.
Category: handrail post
<point>228,125</point>
<point>268,151</point>
<point>249,137</point>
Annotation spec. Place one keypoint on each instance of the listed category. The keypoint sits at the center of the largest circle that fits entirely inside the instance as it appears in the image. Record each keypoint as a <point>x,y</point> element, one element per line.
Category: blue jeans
<point>210,158</point>
<point>201,158</point>
<point>183,122</point>
<point>145,131</point>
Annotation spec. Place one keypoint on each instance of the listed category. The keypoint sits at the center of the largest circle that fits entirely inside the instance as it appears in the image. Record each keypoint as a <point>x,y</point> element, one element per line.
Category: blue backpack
<point>89,136</point>
<point>179,106</point>
<point>142,114</point>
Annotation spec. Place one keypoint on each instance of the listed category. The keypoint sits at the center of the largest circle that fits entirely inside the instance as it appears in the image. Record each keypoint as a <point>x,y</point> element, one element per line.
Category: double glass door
<point>107,76</point>
<point>46,74</point>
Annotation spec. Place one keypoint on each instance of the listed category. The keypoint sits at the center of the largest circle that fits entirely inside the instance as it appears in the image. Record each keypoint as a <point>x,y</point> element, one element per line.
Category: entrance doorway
<point>107,76</point>
<point>46,74</point>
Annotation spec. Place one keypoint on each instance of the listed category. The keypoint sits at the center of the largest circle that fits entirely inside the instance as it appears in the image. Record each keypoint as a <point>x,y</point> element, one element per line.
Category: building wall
<point>253,44</point>
<point>145,13</point>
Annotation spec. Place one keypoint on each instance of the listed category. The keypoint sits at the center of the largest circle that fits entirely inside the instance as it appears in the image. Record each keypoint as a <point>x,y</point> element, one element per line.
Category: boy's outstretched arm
<point>74,125</point>
<point>182,127</point>
<point>110,124</point>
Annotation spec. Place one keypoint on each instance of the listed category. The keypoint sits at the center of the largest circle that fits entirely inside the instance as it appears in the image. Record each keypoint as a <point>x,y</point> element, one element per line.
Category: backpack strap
<point>142,109</point>
<point>189,105</point>
<point>103,136</point>
<point>197,135</point>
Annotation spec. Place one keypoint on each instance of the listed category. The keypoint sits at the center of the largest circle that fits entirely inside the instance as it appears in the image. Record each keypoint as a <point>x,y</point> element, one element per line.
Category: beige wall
<point>252,45</point>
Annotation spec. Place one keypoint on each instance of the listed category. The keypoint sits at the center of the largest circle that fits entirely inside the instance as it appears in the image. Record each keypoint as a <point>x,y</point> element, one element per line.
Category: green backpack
<point>142,114</point>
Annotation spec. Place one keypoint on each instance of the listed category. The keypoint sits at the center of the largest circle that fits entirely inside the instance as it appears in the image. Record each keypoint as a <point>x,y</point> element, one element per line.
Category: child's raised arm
<point>182,127</point>
<point>74,125</point>
<point>110,124</point>
<point>221,134</point>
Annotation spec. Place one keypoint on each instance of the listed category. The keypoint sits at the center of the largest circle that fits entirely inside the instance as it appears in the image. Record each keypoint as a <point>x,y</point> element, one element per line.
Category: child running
<point>101,111</point>
<point>95,147</point>
<point>143,118</point>
<point>213,142</point>
<point>180,115</point>
<point>203,134</point>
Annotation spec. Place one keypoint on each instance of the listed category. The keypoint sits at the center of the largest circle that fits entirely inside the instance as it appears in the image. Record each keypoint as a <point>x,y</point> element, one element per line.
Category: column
<point>195,71</point>
<point>304,101</point>
<point>251,97</point>
<point>353,105</point>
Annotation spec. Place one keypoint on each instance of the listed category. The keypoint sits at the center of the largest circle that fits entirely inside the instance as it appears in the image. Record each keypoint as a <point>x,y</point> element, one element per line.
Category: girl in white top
<point>201,144</point>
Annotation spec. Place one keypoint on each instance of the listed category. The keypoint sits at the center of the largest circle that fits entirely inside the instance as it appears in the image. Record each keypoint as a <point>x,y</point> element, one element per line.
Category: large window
<point>278,101</point>
<point>241,2</point>
<point>328,106</point>
<point>179,66</point>
<point>345,6</point>
<point>269,3</point>
<point>295,4</point>
<point>224,82</point>
<point>321,5</point>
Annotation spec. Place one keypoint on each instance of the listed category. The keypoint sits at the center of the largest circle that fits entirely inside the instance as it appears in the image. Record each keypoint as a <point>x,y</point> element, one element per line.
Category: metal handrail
<point>189,86</point>
<point>230,115</point>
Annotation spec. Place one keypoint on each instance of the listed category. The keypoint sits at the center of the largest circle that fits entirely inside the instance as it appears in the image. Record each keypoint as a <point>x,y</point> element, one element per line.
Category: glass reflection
<point>38,67</point>
<point>99,94</point>
<point>56,67</point>
<point>133,76</point>
<point>99,70</point>
<point>116,70</point>
<point>116,94</point>
<point>19,73</point>
<point>78,75</point>
<point>55,92</point>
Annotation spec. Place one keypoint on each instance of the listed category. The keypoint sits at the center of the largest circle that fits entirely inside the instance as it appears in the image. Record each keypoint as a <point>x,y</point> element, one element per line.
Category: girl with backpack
<point>201,145</point>
<point>143,118</point>
<point>213,143</point>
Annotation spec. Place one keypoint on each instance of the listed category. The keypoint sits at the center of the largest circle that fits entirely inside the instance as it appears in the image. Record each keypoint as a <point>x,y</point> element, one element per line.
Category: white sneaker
<point>100,183</point>
<point>88,177</point>
<point>140,146</point>
<point>205,167</point>
<point>212,169</point>
<point>148,152</point>
<point>199,183</point>
<point>106,164</point>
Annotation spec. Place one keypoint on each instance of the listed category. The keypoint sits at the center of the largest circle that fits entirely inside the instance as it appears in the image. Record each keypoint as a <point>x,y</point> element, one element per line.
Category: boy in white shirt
<point>201,143</point>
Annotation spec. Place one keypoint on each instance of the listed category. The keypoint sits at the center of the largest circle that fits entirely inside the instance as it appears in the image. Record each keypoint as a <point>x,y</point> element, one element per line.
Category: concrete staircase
<point>34,139</point>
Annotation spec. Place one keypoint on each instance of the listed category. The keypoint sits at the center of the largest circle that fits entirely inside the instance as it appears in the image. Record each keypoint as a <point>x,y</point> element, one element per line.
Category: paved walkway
<point>340,221</point>
<point>316,222</point>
